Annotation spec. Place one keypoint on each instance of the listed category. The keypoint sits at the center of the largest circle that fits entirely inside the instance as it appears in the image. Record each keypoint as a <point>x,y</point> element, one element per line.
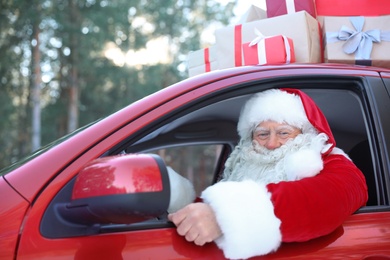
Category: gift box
<point>202,61</point>
<point>269,50</point>
<point>358,40</point>
<point>281,7</point>
<point>352,7</point>
<point>302,29</point>
<point>253,13</point>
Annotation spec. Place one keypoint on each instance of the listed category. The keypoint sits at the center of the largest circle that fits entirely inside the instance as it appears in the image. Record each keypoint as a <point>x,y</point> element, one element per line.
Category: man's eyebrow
<point>289,127</point>
<point>260,128</point>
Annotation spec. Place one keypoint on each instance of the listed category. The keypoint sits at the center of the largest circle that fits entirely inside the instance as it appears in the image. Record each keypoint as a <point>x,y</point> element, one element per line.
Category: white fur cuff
<point>182,191</point>
<point>246,217</point>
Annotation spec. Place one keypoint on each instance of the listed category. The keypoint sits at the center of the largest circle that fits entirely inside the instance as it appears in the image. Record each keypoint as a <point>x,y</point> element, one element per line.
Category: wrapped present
<point>302,29</point>
<point>202,61</point>
<point>269,50</point>
<point>281,7</point>
<point>358,40</point>
<point>352,7</point>
<point>254,13</point>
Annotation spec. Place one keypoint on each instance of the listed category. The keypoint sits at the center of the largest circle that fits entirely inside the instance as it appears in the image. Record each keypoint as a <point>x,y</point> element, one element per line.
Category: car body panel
<point>13,208</point>
<point>39,180</point>
<point>168,245</point>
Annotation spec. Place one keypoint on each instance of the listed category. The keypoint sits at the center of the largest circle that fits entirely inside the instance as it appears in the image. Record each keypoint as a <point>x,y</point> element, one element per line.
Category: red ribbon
<point>321,43</point>
<point>238,45</point>
<point>207,60</point>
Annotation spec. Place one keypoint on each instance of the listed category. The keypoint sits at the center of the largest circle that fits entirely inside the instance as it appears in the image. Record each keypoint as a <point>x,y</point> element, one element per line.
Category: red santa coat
<point>256,218</point>
<point>321,203</point>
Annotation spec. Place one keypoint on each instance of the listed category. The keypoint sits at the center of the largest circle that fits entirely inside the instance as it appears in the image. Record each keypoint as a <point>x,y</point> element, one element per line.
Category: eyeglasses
<point>282,132</point>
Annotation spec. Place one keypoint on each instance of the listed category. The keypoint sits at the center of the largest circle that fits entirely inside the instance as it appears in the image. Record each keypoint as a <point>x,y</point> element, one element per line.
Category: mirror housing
<point>122,189</point>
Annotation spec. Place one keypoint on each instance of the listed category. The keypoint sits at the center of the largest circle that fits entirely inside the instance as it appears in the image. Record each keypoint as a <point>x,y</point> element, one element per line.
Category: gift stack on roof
<point>301,31</point>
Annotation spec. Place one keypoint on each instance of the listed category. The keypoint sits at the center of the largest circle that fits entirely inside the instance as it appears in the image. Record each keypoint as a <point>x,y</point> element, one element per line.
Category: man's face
<point>272,135</point>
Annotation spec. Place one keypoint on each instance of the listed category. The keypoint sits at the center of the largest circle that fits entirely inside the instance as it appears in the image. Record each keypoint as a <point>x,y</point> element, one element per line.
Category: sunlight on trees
<point>94,58</point>
<point>156,52</point>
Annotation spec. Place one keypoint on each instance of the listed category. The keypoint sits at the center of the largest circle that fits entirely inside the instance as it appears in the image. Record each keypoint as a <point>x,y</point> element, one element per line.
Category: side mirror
<point>122,189</point>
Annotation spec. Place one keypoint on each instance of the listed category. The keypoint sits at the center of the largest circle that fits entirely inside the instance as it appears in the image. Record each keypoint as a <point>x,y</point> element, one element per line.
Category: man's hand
<point>197,223</point>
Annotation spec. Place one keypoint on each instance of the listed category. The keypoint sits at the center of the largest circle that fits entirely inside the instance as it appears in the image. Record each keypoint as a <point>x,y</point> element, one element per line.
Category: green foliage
<point>74,38</point>
<point>16,21</point>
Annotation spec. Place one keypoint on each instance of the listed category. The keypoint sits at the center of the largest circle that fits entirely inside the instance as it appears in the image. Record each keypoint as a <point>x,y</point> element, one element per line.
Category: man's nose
<point>273,142</point>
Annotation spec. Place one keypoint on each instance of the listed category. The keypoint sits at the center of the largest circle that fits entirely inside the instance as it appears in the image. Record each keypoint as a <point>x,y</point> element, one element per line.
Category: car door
<point>365,233</point>
<point>110,241</point>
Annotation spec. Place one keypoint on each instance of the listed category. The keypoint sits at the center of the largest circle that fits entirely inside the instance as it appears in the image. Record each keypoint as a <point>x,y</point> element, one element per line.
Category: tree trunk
<point>36,92</point>
<point>73,112</point>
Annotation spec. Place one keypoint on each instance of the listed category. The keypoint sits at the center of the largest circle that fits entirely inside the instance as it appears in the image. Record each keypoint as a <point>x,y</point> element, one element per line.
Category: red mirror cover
<point>123,174</point>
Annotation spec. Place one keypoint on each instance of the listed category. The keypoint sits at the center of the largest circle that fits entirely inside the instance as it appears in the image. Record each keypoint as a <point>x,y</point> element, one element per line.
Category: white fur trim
<point>302,164</point>
<point>307,162</point>
<point>337,150</point>
<point>245,214</point>
<point>275,105</point>
<point>182,191</point>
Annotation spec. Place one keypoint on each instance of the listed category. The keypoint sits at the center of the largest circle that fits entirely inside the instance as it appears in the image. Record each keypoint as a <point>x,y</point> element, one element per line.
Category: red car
<point>102,192</point>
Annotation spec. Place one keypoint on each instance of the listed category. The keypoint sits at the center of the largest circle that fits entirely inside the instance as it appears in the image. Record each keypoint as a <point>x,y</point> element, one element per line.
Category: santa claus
<point>285,181</point>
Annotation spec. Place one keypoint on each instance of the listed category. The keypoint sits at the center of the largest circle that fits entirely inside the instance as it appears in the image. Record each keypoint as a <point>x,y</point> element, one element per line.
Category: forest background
<point>67,63</point>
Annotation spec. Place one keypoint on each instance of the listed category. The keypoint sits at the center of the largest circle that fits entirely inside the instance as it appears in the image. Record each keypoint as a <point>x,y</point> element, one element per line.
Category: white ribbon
<point>290,6</point>
<point>256,40</point>
<point>260,42</point>
<point>288,49</point>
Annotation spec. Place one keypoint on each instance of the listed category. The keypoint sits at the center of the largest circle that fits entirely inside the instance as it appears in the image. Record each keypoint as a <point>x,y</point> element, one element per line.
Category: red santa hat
<point>290,106</point>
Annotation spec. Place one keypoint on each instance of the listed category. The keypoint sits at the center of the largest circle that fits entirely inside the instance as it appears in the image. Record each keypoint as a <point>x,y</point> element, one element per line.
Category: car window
<point>347,117</point>
<point>197,163</point>
<point>343,105</point>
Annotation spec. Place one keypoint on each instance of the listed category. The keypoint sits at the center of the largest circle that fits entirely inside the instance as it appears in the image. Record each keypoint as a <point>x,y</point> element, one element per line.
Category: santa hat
<point>290,106</point>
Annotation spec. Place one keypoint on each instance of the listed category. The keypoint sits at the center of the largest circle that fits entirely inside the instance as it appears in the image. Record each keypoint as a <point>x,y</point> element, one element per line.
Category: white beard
<point>251,161</point>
